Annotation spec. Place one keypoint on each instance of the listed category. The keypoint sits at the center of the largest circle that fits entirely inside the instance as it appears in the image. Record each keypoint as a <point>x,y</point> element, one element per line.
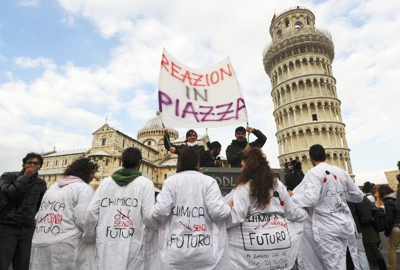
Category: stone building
<point>306,105</point>
<point>107,147</point>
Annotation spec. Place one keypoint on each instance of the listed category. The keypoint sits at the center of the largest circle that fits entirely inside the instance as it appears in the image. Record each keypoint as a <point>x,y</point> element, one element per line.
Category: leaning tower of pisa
<point>306,105</point>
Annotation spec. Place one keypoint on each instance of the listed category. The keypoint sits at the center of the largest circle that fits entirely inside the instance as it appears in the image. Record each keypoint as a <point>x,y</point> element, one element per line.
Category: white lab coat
<point>58,242</point>
<point>329,228</point>
<point>192,231</point>
<point>266,238</point>
<point>120,217</point>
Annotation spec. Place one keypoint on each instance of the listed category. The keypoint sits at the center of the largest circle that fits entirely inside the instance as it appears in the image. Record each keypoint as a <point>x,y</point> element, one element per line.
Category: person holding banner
<point>191,141</point>
<point>235,150</point>
<point>265,226</point>
<point>210,157</point>
<point>192,214</point>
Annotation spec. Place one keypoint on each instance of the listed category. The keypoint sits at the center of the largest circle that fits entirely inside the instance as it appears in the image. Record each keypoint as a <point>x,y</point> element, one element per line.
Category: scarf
<point>192,144</point>
<point>124,176</point>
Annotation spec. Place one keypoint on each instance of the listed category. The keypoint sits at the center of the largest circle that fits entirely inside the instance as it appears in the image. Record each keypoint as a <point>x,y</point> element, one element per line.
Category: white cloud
<point>142,105</point>
<point>29,3</point>
<point>27,62</point>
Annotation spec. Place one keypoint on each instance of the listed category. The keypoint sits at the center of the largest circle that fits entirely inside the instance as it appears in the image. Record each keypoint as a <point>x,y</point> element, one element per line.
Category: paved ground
<point>384,251</point>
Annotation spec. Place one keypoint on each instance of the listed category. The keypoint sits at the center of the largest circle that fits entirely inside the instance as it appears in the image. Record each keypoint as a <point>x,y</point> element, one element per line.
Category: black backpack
<point>379,220</point>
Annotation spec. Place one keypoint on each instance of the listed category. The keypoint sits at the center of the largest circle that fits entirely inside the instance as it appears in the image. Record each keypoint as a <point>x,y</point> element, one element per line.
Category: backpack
<point>379,221</point>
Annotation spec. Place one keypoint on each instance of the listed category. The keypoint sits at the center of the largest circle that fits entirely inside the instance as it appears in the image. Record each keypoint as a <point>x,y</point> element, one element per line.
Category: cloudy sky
<point>66,65</point>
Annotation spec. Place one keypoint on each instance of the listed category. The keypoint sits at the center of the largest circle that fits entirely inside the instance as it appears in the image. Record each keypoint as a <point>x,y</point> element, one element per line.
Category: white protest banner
<point>194,98</point>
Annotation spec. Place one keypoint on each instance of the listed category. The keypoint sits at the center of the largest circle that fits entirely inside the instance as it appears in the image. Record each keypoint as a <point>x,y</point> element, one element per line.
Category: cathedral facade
<point>107,146</point>
<point>306,105</point>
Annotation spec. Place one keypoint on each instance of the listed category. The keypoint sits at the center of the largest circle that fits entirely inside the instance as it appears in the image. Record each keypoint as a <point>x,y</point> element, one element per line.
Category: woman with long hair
<point>58,241</point>
<point>261,232</point>
<point>191,211</point>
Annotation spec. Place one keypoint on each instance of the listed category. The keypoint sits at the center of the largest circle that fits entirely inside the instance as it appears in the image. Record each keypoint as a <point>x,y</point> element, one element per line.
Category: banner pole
<point>248,135</point>
<point>166,135</point>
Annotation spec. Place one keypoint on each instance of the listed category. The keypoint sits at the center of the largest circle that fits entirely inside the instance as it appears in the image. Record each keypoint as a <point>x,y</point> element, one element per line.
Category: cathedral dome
<point>154,123</point>
<point>154,127</point>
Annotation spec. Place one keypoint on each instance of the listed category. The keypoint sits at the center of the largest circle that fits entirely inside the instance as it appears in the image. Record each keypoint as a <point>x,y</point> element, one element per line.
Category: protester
<point>58,241</point>
<point>388,196</point>
<point>370,236</point>
<point>210,157</point>
<point>398,188</point>
<point>191,210</point>
<point>369,191</point>
<point>120,217</point>
<point>191,141</point>
<point>20,197</point>
<point>330,229</point>
<point>261,235</point>
<point>235,150</point>
<point>294,176</point>
<point>367,238</point>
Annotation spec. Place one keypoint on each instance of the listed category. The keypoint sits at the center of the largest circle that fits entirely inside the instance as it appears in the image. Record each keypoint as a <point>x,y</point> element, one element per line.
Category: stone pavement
<point>384,251</point>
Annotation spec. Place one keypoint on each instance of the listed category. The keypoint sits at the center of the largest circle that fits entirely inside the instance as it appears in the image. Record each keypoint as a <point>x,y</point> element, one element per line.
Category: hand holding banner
<point>192,98</point>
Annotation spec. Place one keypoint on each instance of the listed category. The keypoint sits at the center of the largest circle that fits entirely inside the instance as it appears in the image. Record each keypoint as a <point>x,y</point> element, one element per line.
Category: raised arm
<point>167,141</point>
<point>261,138</point>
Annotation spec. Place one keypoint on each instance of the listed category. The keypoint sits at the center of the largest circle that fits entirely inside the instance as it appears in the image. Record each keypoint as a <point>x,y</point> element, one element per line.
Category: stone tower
<point>306,106</point>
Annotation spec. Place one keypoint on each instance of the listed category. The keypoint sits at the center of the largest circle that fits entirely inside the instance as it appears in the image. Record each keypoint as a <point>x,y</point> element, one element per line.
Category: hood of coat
<point>124,176</point>
<point>66,180</point>
<point>391,196</point>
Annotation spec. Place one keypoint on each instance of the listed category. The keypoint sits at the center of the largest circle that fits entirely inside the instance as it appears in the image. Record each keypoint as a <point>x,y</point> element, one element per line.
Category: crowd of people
<point>319,220</point>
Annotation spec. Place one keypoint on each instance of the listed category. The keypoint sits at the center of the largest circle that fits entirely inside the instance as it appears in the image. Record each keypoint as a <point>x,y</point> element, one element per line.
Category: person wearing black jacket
<point>210,157</point>
<point>20,196</point>
<point>358,211</point>
<point>235,150</point>
<point>191,141</point>
<point>398,187</point>
<point>388,196</point>
<point>362,215</point>
<point>294,176</point>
